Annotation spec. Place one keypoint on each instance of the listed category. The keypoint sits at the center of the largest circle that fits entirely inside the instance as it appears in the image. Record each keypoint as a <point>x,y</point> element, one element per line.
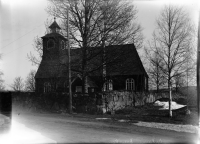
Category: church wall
<point>50,53</point>
<point>58,83</point>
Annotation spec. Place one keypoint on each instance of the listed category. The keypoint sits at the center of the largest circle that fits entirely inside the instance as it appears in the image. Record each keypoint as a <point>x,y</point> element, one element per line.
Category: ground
<point>80,128</point>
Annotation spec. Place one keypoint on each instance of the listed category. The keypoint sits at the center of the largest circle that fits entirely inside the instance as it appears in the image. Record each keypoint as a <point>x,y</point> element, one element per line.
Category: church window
<point>130,84</point>
<point>47,87</point>
<point>50,44</point>
<point>108,85</point>
<point>79,89</point>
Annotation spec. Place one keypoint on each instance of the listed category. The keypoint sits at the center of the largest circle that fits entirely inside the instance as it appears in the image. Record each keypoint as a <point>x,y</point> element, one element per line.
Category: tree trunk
<point>85,46</point>
<point>157,88</point>
<point>83,84</point>
<point>170,99</point>
<point>84,62</point>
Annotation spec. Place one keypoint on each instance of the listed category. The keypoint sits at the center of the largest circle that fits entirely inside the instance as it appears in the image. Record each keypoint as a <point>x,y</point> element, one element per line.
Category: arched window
<point>130,84</point>
<point>62,45</point>
<point>47,87</point>
<point>50,44</point>
<point>108,85</point>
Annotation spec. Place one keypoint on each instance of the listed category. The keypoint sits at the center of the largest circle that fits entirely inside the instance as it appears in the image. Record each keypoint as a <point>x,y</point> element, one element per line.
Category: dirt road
<point>80,129</point>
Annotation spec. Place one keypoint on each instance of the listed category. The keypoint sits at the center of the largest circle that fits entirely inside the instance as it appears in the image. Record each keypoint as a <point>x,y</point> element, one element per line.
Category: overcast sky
<point>22,20</point>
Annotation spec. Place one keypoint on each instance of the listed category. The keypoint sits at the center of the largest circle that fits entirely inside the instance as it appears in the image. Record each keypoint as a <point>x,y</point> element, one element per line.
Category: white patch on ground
<point>102,118</point>
<point>175,127</point>
<point>165,105</point>
<point>122,120</point>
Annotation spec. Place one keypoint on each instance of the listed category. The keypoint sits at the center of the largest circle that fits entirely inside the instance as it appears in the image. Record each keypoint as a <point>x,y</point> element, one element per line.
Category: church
<point>123,70</point>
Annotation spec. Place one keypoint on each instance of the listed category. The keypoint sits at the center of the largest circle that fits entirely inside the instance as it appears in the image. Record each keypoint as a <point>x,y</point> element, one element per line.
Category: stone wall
<point>90,103</point>
<point>115,100</point>
<point>175,95</point>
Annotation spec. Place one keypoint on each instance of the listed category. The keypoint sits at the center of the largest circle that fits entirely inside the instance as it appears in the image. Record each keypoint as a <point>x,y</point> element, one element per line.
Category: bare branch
<point>18,84</point>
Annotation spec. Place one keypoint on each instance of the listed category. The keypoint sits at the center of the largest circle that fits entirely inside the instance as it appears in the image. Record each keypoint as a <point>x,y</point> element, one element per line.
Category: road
<point>81,129</point>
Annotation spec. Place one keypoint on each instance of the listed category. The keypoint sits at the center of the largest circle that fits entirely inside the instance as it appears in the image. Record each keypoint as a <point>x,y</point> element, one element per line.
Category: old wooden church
<point>123,69</point>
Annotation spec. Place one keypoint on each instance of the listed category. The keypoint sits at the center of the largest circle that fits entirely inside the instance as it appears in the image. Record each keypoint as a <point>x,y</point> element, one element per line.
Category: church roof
<point>124,60</point>
<point>50,68</point>
<point>121,60</point>
<point>54,32</point>
<point>53,35</point>
<point>54,25</point>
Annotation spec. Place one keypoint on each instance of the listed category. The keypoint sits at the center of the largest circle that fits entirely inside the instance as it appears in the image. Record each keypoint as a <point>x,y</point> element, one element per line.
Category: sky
<point>23,20</point>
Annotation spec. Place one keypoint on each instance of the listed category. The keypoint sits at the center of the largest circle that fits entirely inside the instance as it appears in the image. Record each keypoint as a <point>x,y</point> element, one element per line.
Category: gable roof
<point>54,25</point>
<point>51,68</point>
<point>127,61</point>
<point>54,35</point>
<point>120,60</point>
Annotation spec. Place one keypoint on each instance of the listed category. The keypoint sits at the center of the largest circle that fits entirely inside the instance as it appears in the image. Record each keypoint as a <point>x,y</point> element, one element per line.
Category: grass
<point>142,114</point>
<point>140,117</point>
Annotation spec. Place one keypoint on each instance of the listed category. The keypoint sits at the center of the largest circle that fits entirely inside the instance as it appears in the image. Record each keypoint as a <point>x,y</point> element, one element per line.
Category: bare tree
<point>2,86</point>
<point>187,78</point>
<point>179,81</point>
<point>172,38</point>
<point>91,22</point>
<point>30,81</point>
<point>18,84</point>
<point>94,23</point>
<point>38,48</point>
<point>157,78</point>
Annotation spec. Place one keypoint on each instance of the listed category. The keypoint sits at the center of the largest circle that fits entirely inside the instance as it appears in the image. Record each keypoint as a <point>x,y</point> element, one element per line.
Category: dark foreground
<point>79,128</point>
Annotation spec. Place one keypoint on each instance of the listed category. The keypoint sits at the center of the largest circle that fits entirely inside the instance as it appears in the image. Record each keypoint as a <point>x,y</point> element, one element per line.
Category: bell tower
<point>53,70</point>
<point>54,27</point>
<point>54,44</point>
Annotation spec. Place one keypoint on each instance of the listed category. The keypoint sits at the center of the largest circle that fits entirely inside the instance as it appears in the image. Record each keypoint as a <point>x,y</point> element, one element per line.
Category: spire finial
<point>54,18</point>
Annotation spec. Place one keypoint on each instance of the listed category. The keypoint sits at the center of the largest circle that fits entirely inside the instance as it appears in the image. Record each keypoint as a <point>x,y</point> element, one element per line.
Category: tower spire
<point>54,27</point>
